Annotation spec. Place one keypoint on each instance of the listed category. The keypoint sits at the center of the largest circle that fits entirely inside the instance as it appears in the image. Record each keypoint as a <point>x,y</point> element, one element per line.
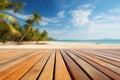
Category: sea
<point>110,41</point>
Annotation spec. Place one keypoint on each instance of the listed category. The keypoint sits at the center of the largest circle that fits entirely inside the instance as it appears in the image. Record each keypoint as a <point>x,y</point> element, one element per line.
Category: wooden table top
<point>60,64</point>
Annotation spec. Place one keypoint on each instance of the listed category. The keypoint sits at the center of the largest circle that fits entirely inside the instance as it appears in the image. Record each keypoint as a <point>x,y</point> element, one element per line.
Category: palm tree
<point>37,35</point>
<point>44,35</point>
<point>5,25</point>
<point>28,27</point>
<point>10,4</point>
<point>6,29</point>
<point>35,18</point>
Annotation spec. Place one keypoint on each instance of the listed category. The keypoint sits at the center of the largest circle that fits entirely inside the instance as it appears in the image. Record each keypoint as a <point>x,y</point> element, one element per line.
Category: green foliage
<point>44,35</point>
<point>11,30</point>
<point>32,35</point>
<point>50,39</point>
<point>35,35</point>
<point>35,18</point>
<point>10,4</point>
<point>7,30</point>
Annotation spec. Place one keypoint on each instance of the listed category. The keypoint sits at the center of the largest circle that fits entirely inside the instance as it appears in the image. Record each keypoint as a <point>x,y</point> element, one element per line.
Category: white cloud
<point>87,6</point>
<point>67,26</point>
<point>105,18</point>
<point>19,15</point>
<point>46,21</point>
<point>58,24</point>
<point>114,10</point>
<point>80,16</point>
<point>100,16</point>
<point>104,21</point>
<point>61,14</point>
<point>103,25</point>
<point>56,32</point>
<point>52,20</point>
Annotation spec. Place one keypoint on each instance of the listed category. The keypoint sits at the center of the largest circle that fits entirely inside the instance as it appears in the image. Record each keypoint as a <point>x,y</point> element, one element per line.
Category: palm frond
<point>8,5</point>
<point>13,30</point>
<point>1,1</point>
<point>8,18</point>
<point>3,26</point>
<point>7,27</point>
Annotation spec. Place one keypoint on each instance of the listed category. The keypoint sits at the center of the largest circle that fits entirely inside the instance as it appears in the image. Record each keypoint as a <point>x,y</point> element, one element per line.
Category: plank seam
<point>32,66</point>
<point>54,67</point>
<point>17,58</point>
<point>97,68</point>
<point>79,65</point>
<point>67,66</point>
<point>93,55</point>
<point>43,67</point>
<point>101,56</point>
<point>100,64</point>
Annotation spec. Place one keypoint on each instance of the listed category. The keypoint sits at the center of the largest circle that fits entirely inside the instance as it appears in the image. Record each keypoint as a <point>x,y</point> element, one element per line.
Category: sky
<point>75,19</point>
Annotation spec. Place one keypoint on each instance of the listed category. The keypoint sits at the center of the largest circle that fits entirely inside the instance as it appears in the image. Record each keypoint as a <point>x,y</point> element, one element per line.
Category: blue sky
<point>75,19</point>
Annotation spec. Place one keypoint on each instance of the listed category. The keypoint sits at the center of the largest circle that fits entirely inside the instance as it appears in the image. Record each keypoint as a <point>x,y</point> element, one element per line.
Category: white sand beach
<point>58,45</point>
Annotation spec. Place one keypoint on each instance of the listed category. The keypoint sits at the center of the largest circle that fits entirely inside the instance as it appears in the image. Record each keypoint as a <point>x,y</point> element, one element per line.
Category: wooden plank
<point>92,71</point>
<point>105,64</point>
<point>33,73</point>
<point>112,52</point>
<point>6,51</point>
<point>5,55</point>
<point>13,56</point>
<point>21,71</point>
<point>76,72</point>
<point>13,68</point>
<point>73,65</point>
<point>47,73</point>
<point>61,72</point>
<point>117,50</point>
<point>115,63</point>
<point>107,53</point>
<point>98,66</point>
<point>96,53</point>
<point>10,63</point>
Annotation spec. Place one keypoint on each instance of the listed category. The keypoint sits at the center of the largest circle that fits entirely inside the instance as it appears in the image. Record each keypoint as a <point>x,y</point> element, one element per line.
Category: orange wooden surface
<point>60,64</point>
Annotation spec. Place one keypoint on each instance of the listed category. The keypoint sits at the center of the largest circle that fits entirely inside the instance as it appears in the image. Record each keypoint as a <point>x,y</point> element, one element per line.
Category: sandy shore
<point>59,45</point>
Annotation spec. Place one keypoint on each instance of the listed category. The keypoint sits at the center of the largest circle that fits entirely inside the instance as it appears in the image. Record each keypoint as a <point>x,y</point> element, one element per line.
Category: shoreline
<point>58,45</point>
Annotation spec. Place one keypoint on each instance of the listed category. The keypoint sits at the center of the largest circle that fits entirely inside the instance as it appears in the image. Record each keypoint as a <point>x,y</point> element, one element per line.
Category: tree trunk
<point>24,34</point>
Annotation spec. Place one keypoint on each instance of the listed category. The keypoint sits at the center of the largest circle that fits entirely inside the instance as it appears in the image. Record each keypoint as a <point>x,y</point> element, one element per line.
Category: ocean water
<point>92,41</point>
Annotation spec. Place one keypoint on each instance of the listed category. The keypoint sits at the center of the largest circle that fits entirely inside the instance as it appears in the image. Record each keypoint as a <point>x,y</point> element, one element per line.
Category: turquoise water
<point>92,41</point>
